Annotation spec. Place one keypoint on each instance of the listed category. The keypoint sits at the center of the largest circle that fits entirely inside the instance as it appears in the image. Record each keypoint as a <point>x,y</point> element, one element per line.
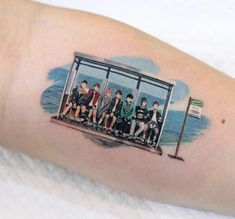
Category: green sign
<point>195,108</point>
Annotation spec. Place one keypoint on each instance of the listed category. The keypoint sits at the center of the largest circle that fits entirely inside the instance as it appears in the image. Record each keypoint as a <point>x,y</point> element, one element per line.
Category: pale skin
<point>35,38</point>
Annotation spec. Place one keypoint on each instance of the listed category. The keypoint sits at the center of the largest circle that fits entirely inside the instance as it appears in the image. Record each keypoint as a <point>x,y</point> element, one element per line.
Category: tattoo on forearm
<point>123,100</point>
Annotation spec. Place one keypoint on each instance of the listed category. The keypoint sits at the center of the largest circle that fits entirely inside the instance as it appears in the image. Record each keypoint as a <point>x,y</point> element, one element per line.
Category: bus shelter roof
<point>123,67</point>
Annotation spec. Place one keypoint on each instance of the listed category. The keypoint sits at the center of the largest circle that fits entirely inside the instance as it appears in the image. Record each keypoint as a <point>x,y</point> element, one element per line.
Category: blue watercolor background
<point>50,99</point>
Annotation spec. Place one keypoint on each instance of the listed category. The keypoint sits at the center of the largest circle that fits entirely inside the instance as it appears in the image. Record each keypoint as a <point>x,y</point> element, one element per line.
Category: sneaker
<point>116,133</point>
<point>72,119</point>
<point>79,120</point>
<point>98,127</point>
<point>109,130</point>
<point>85,121</point>
<point>124,135</point>
<point>131,137</point>
<point>61,116</point>
<point>89,123</point>
<point>94,125</point>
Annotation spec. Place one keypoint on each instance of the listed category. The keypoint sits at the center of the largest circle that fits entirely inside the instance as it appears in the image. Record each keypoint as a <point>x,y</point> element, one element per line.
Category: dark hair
<point>143,99</point>
<point>119,92</point>
<point>155,102</point>
<point>85,81</point>
<point>129,96</point>
<point>97,85</point>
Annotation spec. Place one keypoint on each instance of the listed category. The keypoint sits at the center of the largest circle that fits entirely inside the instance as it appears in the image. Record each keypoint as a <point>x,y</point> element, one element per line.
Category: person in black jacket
<point>76,97</point>
<point>139,119</point>
<point>113,111</point>
<point>90,104</point>
<point>154,123</point>
<point>125,116</point>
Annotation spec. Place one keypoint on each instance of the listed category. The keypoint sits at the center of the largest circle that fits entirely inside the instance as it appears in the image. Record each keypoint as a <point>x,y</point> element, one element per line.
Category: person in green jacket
<point>125,116</point>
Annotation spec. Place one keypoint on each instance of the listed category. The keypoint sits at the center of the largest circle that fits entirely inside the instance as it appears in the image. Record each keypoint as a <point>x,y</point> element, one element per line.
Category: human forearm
<point>49,41</point>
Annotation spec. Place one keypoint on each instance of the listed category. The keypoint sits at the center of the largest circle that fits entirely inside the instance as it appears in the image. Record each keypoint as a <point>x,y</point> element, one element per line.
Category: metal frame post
<point>165,112</point>
<point>136,92</point>
<point>175,156</point>
<point>105,82</point>
<point>65,87</point>
<point>74,78</point>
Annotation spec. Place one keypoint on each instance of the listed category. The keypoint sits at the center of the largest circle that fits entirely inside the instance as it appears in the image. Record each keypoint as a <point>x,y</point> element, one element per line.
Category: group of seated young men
<point>112,115</point>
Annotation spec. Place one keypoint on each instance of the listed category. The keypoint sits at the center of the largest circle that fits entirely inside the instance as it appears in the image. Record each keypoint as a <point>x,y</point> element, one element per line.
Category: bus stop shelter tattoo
<point>116,103</point>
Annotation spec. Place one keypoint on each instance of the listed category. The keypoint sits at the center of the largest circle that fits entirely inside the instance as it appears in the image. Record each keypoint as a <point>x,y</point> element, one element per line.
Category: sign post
<point>194,109</point>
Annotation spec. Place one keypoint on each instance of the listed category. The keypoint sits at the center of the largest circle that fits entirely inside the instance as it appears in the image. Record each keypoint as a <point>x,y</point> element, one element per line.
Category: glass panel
<point>158,83</point>
<point>91,64</point>
<point>124,73</point>
<point>71,78</point>
<point>152,93</point>
<point>119,82</point>
<point>91,74</point>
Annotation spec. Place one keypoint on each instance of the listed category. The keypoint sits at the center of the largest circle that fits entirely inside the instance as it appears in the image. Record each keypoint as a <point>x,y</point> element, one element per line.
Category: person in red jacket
<point>90,104</point>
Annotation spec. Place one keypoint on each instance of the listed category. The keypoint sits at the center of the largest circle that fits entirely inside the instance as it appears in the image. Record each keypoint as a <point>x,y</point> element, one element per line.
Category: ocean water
<point>50,100</point>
